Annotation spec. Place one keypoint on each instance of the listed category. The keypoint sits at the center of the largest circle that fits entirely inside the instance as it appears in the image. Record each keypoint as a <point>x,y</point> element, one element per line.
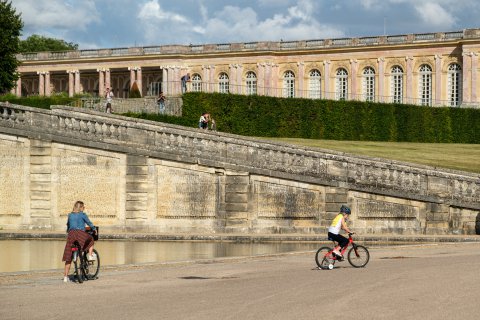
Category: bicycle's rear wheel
<point>91,267</point>
<point>358,256</point>
<point>323,258</point>
<point>78,268</point>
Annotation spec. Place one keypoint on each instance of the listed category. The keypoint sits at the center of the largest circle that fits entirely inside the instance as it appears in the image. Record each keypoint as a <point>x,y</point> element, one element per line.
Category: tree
<point>36,43</point>
<point>12,25</point>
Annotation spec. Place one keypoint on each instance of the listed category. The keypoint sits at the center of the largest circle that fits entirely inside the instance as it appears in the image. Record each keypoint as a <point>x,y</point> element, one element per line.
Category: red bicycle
<point>358,255</point>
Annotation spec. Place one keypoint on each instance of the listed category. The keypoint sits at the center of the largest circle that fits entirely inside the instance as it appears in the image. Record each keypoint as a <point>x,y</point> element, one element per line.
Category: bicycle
<point>358,255</point>
<point>85,269</point>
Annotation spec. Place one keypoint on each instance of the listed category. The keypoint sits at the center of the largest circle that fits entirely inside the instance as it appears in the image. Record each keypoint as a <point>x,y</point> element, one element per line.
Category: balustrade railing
<point>360,173</point>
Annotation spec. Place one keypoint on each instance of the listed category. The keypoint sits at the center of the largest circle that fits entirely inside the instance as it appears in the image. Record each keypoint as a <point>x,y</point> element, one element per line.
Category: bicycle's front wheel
<point>323,258</point>
<point>358,256</point>
<point>91,267</point>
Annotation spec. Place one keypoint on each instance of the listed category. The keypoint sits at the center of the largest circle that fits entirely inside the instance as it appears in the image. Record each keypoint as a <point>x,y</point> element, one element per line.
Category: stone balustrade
<point>336,169</point>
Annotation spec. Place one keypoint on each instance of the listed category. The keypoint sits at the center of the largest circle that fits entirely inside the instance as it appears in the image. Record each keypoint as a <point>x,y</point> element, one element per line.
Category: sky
<point>94,24</point>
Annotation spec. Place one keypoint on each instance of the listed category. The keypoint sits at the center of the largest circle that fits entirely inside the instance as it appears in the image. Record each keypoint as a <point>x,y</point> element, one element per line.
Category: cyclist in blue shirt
<point>76,222</point>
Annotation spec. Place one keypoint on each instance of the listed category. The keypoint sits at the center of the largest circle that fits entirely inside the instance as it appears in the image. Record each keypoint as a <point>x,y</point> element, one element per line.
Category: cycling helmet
<point>345,209</point>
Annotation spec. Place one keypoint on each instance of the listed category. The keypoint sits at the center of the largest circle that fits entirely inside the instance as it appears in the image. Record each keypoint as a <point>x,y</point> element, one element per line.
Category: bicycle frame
<point>358,255</point>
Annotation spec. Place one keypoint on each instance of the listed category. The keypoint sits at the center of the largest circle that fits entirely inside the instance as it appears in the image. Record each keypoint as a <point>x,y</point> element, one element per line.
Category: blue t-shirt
<point>77,221</point>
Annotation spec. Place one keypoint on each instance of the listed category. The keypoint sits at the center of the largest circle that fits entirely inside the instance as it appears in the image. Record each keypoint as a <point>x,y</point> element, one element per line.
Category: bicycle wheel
<point>78,268</point>
<point>323,258</point>
<point>358,256</point>
<point>91,267</point>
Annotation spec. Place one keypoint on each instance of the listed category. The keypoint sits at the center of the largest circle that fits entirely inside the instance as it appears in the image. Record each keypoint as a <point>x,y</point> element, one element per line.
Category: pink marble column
<point>301,92</point>
<point>381,79</point>
<point>18,88</point>
<point>466,84</point>
<point>70,83</point>
<point>474,77</point>
<point>108,82</point>
<point>48,85</point>
<point>77,82</point>
<point>326,80</point>
<point>41,83</point>
<point>240,84</point>
<point>438,80</point>
<point>232,77</point>
<point>132,76</point>
<point>139,81</point>
<point>409,81</point>
<point>165,81</point>
<point>101,83</point>
<point>261,78</point>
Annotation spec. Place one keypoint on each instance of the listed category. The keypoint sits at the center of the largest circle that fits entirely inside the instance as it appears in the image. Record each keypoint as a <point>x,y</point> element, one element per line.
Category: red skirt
<point>84,239</point>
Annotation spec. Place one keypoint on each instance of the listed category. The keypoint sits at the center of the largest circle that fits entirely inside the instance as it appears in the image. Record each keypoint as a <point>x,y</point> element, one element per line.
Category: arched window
<point>369,84</point>
<point>454,84</point>
<point>315,84</point>
<point>289,84</point>
<point>396,84</point>
<point>251,83</point>
<point>341,84</point>
<point>223,83</point>
<point>196,83</point>
<point>425,85</point>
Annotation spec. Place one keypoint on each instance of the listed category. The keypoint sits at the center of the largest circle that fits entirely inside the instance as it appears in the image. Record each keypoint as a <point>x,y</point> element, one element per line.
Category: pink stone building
<point>426,69</point>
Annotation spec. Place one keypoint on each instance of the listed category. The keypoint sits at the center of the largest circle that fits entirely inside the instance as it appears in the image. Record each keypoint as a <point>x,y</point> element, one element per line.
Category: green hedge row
<point>336,120</point>
<point>38,101</point>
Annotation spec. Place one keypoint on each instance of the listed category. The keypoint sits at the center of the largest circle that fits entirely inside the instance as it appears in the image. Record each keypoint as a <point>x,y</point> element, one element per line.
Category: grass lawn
<point>464,157</point>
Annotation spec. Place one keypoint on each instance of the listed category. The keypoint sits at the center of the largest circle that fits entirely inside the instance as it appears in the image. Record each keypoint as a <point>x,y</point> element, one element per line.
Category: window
<point>397,84</point>
<point>425,85</point>
<point>288,84</point>
<point>196,83</point>
<point>223,83</point>
<point>251,83</point>
<point>341,84</point>
<point>369,84</point>
<point>315,84</point>
<point>454,85</point>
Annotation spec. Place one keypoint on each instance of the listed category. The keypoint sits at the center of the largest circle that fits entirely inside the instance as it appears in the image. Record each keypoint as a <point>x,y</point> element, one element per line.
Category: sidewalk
<point>254,237</point>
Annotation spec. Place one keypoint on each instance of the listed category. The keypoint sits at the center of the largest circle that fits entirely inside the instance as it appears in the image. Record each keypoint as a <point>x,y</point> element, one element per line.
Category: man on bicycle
<point>338,223</point>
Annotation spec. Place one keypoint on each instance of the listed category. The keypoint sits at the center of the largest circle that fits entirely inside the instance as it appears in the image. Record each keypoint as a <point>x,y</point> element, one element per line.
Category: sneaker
<point>337,253</point>
<point>92,257</point>
<point>66,279</point>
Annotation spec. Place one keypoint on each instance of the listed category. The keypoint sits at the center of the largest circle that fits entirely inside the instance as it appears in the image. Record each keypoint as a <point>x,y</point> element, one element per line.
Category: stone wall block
<point>236,207</point>
<point>236,197</point>
<point>241,188</point>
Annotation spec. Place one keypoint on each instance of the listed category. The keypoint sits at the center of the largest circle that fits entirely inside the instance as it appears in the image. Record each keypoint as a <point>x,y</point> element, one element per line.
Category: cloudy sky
<point>126,23</point>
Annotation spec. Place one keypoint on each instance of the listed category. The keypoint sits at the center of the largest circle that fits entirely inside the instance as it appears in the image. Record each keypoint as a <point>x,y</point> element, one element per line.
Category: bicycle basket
<point>92,233</point>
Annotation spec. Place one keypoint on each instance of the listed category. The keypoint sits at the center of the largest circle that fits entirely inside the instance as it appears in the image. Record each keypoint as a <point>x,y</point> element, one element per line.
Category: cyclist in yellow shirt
<point>338,223</point>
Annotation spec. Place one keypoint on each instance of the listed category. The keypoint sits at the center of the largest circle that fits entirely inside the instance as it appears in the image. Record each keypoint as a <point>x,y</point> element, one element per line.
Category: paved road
<point>439,281</point>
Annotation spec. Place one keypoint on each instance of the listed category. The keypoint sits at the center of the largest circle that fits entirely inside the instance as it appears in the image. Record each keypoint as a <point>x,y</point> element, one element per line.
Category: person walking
<point>108,97</point>
<point>185,79</point>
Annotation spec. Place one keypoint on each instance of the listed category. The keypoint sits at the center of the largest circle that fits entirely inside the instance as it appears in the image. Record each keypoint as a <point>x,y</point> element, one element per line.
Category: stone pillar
<point>466,77</point>
<point>71,83</point>
<point>354,92</point>
<point>301,80</point>
<point>136,192</point>
<point>212,79</point>
<point>474,98</point>
<point>139,81</point>
<point>101,83</point>
<point>236,202</point>
<point>132,76</point>
<point>381,80</point>
<point>77,82</point>
<point>41,83</point>
<point>239,79</point>
<point>261,78</point>
<point>108,83</point>
<point>409,81</point>
<point>326,80</point>
<point>438,80</point>
<point>18,87</point>
<point>165,81</point>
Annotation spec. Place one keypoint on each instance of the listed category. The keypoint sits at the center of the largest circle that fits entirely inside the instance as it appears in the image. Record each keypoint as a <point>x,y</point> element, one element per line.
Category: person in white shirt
<point>109,98</point>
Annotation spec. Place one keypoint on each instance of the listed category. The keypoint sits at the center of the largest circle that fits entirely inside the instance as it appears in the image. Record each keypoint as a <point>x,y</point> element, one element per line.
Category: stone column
<point>77,82</point>
<point>438,80</point>
<point>466,84</point>
<point>48,85</point>
<point>409,80</point>
<point>139,81</point>
<point>381,80</point>
<point>164,81</point>
<point>354,94</point>
<point>71,83</point>
<point>261,78</point>
<point>41,83</point>
<point>301,80</point>
<point>474,71</point>
<point>18,87</point>
<point>132,76</point>
<point>326,80</point>
<point>101,83</point>
<point>108,83</point>
<point>239,79</point>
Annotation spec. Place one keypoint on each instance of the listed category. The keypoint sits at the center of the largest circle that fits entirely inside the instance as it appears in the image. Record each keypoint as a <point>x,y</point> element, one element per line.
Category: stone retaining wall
<point>143,176</point>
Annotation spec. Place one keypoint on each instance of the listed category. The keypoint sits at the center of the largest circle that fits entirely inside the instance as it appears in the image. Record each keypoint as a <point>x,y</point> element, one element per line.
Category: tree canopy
<point>12,25</point>
<point>36,43</point>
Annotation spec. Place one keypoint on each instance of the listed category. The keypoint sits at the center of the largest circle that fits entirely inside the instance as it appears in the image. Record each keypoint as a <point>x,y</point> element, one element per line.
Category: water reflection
<point>30,255</point>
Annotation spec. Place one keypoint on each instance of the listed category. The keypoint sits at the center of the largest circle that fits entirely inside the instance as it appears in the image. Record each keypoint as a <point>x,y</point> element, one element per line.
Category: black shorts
<point>342,241</point>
